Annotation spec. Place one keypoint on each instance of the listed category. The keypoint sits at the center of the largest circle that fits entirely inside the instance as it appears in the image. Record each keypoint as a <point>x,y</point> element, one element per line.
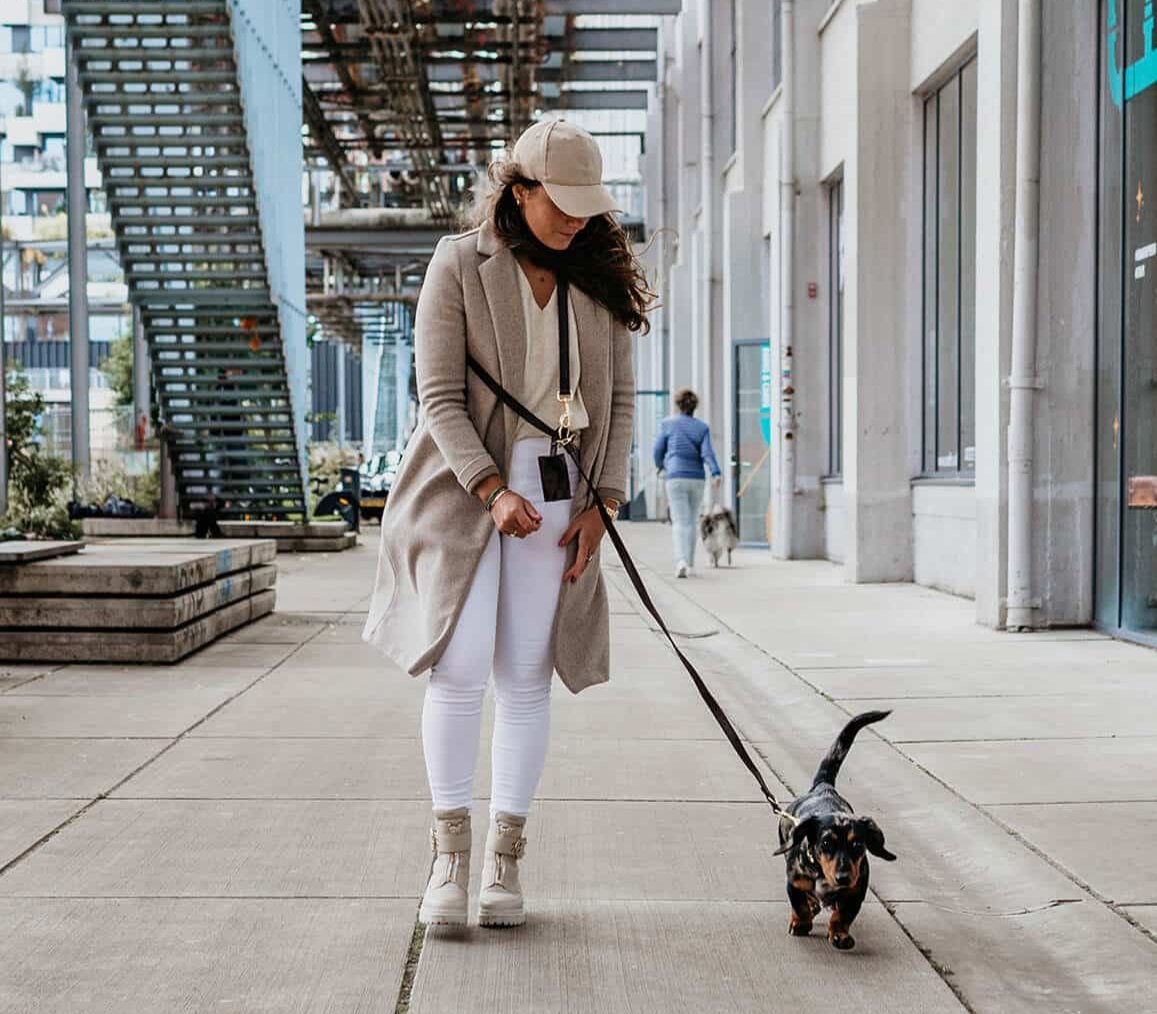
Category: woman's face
<point>552,227</point>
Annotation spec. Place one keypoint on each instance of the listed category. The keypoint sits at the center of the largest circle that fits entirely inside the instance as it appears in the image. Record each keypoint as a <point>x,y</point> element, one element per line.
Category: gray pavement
<point>248,830</point>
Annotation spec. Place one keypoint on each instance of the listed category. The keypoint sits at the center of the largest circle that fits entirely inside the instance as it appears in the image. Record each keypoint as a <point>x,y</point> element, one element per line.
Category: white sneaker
<point>681,569</point>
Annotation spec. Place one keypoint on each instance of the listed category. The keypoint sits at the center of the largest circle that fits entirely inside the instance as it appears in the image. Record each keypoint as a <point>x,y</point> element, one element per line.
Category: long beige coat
<point>434,529</point>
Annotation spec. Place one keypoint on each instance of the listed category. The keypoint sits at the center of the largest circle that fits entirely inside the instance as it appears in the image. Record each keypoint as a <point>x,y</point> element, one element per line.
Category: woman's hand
<point>512,514</point>
<point>588,529</point>
<point>515,515</point>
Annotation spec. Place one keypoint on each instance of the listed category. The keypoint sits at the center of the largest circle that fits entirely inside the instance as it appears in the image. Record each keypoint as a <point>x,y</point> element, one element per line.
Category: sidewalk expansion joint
<point>48,836</point>
<point>410,968</point>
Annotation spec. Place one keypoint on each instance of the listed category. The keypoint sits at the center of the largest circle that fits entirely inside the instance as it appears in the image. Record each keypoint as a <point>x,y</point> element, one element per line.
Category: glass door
<point>1127,340</point>
<point>751,458</point>
<point>1139,388</point>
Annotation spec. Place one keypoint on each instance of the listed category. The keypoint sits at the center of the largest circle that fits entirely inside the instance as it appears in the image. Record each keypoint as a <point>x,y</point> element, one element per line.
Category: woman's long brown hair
<point>600,259</point>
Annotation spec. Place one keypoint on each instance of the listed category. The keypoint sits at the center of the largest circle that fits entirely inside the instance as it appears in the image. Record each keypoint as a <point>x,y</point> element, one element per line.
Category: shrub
<point>326,460</point>
<point>37,482</point>
<point>118,369</point>
<point>110,478</point>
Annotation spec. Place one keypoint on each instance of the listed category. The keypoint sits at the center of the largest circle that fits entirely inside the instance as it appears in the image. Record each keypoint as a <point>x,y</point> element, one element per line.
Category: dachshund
<point>719,533</point>
<point>826,844</point>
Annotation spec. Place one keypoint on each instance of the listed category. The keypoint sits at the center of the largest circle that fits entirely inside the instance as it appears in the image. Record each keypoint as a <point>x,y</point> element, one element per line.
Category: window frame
<point>933,439</point>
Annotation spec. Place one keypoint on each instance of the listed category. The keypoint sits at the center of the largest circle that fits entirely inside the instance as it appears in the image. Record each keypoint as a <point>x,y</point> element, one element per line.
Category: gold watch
<point>612,505</point>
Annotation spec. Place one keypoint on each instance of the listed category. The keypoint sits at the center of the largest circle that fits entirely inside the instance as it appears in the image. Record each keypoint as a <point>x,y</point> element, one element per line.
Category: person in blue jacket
<point>683,451</point>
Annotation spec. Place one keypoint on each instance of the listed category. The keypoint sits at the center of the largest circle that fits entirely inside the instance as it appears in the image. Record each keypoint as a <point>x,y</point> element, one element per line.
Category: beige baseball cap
<point>566,160</point>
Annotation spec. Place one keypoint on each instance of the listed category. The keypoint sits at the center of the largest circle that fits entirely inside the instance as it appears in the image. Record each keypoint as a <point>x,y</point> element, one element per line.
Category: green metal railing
<point>165,110</point>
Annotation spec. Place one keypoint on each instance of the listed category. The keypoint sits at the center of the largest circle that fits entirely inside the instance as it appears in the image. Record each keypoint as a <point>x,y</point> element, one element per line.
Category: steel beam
<point>601,70</point>
<point>374,239</point>
<point>596,100</point>
<point>491,50</point>
<point>315,117</point>
<point>612,40</point>
<point>567,7</point>
<point>315,9</point>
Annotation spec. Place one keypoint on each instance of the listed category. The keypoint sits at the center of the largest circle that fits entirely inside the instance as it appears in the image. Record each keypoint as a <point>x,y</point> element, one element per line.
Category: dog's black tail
<point>830,766</point>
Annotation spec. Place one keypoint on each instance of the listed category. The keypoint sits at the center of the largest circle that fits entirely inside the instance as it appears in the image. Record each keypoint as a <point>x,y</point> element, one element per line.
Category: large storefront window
<point>1126,572</point>
<point>950,276</point>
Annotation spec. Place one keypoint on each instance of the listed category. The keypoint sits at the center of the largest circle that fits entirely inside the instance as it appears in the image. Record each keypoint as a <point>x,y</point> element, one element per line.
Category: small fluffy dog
<point>827,865</point>
<point>719,533</point>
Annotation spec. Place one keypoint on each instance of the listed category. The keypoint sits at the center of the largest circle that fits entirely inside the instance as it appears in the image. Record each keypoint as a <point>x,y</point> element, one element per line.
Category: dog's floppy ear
<point>804,829</point>
<point>873,838</point>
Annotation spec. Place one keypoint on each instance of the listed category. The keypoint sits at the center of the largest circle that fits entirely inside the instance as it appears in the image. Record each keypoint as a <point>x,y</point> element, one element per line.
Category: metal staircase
<point>164,109</point>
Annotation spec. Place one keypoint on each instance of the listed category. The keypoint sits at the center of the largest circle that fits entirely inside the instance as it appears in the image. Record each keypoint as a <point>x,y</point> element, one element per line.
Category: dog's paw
<point>797,927</point>
<point>843,942</point>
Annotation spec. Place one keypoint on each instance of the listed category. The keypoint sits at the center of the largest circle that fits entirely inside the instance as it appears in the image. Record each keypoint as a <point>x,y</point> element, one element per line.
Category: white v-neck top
<point>540,386</point>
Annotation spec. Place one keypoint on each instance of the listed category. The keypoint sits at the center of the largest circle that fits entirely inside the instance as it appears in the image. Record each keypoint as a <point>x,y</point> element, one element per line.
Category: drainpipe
<point>1024,382</point>
<point>707,197</point>
<point>782,530</point>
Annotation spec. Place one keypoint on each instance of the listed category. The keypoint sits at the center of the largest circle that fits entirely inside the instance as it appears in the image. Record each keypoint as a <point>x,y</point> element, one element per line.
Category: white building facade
<point>835,190</point>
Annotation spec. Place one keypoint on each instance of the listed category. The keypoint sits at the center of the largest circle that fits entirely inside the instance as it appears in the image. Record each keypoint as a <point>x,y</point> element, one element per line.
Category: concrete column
<point>1064,415</point>
<point>809,370</point>
<point>341,393</point>
<point>142,388</point>
<point>402,391</point>
<point>879,338</point>
<point>681,284</point>
<point>3,367</point>
<point>77,264</point>
<point>167,508</point>
<point>995,197</point>
<point>314,198</point>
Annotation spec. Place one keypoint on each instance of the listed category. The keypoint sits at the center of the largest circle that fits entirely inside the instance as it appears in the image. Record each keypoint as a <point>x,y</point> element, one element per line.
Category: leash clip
<point>565,434</point>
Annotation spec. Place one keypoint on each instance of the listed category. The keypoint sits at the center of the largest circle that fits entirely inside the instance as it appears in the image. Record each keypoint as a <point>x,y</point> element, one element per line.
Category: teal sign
<point>765,392</point>
<point>1129,82</point>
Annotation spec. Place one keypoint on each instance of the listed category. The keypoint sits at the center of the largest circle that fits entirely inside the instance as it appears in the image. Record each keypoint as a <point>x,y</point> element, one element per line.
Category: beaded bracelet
<point>492,499</point>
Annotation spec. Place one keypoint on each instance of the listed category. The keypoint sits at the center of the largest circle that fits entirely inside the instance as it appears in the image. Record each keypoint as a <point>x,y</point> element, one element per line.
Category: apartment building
<point>867,302</point>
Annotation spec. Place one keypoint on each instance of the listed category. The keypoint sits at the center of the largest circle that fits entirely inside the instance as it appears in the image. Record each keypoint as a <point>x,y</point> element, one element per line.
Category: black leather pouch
<point>555,478</point>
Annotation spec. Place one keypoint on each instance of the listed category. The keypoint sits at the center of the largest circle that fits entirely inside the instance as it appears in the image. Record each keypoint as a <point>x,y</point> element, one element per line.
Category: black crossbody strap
<point>563,301</point>
<point>636,579</point>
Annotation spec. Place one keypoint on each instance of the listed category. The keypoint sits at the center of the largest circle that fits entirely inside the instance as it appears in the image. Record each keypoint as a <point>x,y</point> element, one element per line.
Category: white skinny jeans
<point>505,627</point>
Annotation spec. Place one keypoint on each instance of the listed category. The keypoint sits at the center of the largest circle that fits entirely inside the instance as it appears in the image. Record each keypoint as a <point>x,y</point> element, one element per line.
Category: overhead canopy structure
<point>405,101</point>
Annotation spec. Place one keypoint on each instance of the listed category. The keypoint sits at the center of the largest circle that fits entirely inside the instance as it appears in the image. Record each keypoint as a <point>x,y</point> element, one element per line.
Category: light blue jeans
<point>685,496</point>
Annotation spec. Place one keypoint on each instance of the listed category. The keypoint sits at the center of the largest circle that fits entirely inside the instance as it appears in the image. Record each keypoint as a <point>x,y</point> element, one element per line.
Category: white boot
<point>444,903</point>
<point>500,901</point>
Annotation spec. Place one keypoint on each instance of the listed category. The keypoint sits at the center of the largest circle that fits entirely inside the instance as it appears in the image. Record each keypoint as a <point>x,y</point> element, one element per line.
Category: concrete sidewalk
<point>248,830</point>
<point>1016,777</point>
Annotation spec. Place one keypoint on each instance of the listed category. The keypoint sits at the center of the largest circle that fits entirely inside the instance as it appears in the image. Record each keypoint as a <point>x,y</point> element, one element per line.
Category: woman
<point>479,571</point>
<point>682,449</point>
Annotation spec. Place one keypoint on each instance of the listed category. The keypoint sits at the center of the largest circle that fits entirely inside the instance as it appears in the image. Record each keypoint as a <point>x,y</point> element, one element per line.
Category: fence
<point>114,438</point>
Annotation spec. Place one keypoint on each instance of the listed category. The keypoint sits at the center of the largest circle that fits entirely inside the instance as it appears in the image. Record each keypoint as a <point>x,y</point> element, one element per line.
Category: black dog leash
<point>564,440</point>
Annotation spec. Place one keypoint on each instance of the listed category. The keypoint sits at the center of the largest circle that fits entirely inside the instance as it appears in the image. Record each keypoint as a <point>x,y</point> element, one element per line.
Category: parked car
<point>377,476</point>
